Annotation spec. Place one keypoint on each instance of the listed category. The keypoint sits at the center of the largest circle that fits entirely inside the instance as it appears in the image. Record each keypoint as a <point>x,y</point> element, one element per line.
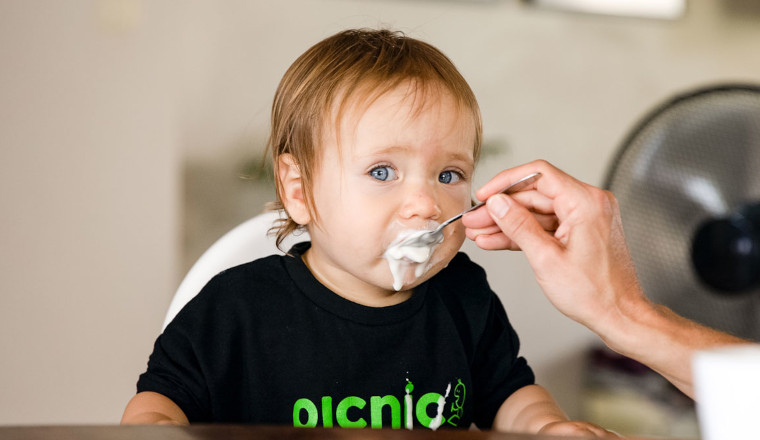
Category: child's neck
<point>360,293</point>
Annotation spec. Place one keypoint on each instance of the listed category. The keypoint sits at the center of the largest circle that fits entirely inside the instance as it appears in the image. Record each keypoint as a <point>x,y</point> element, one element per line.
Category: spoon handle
<point>511,189</point>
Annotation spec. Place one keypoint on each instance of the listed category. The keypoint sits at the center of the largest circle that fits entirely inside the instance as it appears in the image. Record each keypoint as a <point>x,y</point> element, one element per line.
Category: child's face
<point>398,167</point>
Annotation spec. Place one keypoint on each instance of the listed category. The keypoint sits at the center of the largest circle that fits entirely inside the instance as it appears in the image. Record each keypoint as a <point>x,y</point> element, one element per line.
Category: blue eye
<point>383,173</point>
<point>449,177</point>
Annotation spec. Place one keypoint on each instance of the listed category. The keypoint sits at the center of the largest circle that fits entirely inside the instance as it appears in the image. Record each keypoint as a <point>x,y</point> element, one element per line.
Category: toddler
<point>374,136</point>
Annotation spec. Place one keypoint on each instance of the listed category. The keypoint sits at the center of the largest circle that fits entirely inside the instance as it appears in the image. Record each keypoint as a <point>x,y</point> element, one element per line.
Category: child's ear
<point>291,189</point>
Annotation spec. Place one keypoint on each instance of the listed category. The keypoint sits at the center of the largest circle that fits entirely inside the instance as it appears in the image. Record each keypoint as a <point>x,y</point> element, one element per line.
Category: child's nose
<point>421,202</point>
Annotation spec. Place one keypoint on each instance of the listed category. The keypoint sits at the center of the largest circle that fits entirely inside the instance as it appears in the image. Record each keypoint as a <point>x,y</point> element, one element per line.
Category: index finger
<point>531,199</point>
<point>552,183</point>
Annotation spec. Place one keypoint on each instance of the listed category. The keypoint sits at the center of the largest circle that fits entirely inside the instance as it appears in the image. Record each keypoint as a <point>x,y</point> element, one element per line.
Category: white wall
<point>89,185</point>
<point>104,103</point>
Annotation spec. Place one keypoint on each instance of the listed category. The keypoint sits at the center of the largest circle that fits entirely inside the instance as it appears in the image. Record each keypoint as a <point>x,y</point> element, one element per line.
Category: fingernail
<point>498,206</point>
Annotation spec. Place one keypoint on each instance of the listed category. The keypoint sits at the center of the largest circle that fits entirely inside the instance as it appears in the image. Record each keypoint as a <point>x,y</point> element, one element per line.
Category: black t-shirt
<point>266,343</point>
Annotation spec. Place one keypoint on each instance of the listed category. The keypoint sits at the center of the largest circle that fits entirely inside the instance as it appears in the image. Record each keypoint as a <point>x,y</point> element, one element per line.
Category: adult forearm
<point>666,342</point>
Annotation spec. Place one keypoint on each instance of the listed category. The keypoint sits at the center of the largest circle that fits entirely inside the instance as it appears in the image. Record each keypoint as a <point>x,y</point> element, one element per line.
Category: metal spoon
<point>436,235</point>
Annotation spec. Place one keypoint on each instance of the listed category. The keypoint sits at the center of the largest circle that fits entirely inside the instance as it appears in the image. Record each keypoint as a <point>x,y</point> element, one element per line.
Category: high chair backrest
<point>246,242</point>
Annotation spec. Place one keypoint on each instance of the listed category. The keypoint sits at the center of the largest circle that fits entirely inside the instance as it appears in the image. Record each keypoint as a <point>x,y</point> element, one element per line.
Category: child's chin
<point>439,260</point>
<point>412,282</point>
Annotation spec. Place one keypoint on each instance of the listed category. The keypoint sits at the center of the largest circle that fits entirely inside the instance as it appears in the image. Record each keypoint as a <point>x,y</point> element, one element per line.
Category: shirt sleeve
<point>175,367</point>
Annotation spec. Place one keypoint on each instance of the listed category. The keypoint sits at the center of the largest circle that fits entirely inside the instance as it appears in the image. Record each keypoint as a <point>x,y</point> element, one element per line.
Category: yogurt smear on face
<point>405,254</point>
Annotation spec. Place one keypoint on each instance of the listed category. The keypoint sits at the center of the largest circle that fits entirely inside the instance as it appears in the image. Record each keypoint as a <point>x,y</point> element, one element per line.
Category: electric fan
<point>687,180</point>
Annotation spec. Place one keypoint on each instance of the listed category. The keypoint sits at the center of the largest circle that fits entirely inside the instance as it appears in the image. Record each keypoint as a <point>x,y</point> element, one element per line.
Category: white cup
<point>727,388</point>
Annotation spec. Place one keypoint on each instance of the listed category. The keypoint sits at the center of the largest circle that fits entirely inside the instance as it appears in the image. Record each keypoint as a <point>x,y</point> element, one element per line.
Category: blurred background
<point>125,127</point>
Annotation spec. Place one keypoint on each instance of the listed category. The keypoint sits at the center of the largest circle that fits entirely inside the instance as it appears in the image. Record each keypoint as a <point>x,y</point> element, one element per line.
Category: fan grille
<point>695,158</point>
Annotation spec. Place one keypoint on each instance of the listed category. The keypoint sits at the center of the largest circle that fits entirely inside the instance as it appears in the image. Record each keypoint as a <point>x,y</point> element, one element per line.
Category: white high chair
<point>246,242</point>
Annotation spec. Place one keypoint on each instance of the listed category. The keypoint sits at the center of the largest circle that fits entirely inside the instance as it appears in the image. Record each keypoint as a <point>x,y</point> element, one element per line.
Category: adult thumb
<point>518,224</point>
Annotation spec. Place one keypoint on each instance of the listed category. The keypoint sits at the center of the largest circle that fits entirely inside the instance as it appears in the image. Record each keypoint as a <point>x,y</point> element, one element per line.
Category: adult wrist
<point>630,323</point>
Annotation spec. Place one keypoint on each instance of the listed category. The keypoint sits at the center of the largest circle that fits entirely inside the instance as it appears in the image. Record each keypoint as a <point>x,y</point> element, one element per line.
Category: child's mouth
<point>402,257</point>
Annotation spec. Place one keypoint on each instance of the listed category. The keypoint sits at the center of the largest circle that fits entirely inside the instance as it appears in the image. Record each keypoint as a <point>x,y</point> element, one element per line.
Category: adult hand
<point>572,236</point>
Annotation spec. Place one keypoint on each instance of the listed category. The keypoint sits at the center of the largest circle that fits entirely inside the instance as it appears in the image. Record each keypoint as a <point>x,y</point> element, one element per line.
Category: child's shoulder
<point>462,270</point>
<point>273,275</point>
<point>463,289</point>
<point>260,267</point>
<point>241,291</point>
<point>465,280</point>
<point>262,275</point>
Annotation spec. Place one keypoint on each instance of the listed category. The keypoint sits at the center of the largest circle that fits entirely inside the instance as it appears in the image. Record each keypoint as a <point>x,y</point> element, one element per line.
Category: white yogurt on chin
<point>405,254</point>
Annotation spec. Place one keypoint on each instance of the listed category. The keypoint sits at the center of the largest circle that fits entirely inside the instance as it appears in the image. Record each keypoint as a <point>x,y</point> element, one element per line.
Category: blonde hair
<point>358,61</point>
